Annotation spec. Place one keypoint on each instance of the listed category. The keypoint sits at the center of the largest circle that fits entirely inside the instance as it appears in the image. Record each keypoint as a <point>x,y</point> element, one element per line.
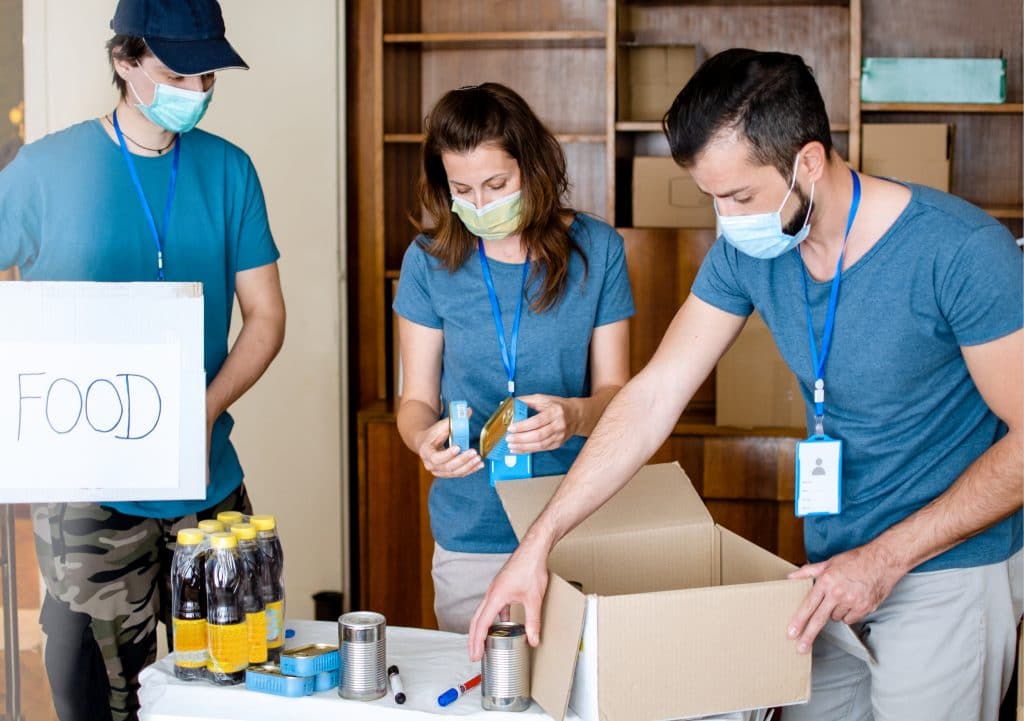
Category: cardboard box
<point>665,196</point>
<point>912,152</point>
<point>650,77</point>
<point>933,80</point>
<point>678,617</point>
<point>754,388</point>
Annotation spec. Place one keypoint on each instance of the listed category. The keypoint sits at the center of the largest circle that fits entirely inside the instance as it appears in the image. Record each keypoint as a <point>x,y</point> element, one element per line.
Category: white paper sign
<point>102,392</point>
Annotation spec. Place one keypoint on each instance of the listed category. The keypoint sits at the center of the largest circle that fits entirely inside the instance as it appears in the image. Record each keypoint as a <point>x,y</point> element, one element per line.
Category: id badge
<point>819,477</point>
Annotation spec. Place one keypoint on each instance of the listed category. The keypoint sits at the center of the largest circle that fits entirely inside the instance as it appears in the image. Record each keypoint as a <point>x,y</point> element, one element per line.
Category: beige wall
<point>285,113</point>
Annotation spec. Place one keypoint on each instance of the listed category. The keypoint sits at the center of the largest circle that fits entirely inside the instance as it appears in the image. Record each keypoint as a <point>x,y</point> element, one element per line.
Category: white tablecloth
<point>430,662</point>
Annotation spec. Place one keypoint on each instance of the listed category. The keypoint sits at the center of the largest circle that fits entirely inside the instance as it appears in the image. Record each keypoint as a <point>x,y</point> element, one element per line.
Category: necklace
<point>158,151</point>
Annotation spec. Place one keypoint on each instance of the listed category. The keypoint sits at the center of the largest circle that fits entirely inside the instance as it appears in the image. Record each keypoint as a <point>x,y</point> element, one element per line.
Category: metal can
<point>506,669</point>
<point>363,650</point>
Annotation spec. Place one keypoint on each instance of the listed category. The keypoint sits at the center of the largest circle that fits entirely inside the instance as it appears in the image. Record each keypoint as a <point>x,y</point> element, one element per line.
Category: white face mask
<point>761,235</point>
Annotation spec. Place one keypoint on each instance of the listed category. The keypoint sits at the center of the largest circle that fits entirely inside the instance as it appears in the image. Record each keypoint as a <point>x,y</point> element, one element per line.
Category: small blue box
<point>309,660</point>
<point>502,465</point>
<point>269,679</point>
<point>327,680</point>
<point>458,419</point>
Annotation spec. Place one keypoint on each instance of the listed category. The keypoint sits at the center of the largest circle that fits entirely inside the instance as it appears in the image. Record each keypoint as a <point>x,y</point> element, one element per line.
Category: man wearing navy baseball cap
<point>140,194</point>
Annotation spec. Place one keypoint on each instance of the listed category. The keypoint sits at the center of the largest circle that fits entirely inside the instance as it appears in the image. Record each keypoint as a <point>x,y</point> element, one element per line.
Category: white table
<point>430,662</point>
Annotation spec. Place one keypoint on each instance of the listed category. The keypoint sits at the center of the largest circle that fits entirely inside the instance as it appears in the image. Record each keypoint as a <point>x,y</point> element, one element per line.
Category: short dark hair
<point>125,47</point>
<point>770,98</point>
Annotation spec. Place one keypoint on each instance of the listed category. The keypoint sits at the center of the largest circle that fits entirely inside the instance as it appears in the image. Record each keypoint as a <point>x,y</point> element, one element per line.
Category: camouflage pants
<point>107,579</point>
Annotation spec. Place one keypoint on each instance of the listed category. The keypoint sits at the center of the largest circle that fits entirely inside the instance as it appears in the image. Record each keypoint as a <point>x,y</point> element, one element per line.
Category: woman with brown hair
<point>507,292</point>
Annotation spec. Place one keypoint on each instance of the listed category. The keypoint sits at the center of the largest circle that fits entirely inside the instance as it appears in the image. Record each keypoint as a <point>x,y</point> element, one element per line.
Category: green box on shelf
<point>933,80</point>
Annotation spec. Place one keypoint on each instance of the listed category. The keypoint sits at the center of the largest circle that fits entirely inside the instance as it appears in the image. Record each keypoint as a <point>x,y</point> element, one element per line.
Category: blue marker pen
<point>454,694</point>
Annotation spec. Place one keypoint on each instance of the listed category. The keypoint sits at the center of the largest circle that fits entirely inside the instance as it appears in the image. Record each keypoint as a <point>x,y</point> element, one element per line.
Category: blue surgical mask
<point>761,235</point>
<point>174,109</point>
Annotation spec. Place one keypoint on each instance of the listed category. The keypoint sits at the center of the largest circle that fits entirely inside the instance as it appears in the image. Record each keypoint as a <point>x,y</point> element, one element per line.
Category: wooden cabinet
<point>563,57</point>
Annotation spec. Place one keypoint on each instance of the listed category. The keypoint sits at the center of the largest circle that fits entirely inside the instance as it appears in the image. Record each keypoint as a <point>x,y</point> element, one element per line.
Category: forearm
<point>414,419</point>
<point>987,492</point>
<point>257,345</point>
<point>639,412</point>
<point>588,410</point>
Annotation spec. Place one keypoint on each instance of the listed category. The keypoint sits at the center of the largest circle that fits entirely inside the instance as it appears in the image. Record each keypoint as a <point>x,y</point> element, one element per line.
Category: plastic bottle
<point>273,591</point>
<point>188,606</point>
<point>226,627</point>
<point>255,578</point>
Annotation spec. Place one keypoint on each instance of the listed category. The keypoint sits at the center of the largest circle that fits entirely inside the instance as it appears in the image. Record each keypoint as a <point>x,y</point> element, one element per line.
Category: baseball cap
<point>185,35</point>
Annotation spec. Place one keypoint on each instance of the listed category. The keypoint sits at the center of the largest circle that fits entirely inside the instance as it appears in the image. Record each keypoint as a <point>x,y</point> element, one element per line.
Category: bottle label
<point>190,643</point>
<point>257,627</point>
<point>275,624</point>
<point>229,647</point>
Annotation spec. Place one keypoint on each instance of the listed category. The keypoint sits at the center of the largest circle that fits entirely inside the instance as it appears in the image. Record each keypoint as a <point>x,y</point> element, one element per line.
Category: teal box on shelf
<point>933,80</point>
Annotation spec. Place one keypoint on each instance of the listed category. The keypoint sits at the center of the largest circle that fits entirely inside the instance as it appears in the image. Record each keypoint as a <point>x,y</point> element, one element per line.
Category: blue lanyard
<point>508,351</point>
<point>830,317</point>
<point>142,195</point>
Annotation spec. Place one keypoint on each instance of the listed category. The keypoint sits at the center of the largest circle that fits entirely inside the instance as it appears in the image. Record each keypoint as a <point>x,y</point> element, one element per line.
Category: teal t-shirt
<point>899,394</point>
<point>466,514</point>
<point>69,211</point>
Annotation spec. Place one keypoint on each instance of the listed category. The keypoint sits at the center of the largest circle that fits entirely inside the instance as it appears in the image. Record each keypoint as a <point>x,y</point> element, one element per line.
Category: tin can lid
<point>361,619</point>
<point>506,629</point>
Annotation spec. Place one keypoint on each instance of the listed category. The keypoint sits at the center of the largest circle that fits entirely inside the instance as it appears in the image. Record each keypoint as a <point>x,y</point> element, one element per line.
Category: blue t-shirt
<point>69,211</point>
<point>899,394</point>
<point>465,513</point>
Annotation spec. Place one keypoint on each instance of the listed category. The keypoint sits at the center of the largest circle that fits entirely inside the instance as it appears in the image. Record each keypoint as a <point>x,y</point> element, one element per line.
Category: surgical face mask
<point>496,220</point>
<point>174,109</point>
<point>761,235</point>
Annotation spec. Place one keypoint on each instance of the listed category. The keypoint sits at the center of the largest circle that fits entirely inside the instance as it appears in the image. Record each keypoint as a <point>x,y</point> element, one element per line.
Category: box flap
<point>700,652</point>
<point>658,496</point>
<point>553,662</point>
<point>654,534</point>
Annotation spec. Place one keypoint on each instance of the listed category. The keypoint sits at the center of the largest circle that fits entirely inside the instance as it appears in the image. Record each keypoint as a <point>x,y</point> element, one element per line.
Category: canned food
<point>269,679</point>
<point>309,660</point>
<point>506,669</point>
<point>363,650</point>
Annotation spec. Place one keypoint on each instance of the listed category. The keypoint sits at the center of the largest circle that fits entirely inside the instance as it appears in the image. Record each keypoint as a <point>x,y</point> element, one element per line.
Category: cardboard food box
<point>678,616</point>
<point>912,152</point>
<point>650,77</point>
<point>754,388</point>
<point>665,196</point>
<point>933,80</point>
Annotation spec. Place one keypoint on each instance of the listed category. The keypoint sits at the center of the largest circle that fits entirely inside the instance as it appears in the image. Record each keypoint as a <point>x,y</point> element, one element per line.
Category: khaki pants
<point>944,642</point>
<point>460,582</point>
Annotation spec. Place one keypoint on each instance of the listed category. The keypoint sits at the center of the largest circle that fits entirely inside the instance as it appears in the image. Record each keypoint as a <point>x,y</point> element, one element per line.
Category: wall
<point>284,112</point>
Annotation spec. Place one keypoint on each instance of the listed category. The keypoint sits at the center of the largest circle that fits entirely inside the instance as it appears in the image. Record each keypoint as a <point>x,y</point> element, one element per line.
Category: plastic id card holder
<point>502,465</point>
<point>819,477</point>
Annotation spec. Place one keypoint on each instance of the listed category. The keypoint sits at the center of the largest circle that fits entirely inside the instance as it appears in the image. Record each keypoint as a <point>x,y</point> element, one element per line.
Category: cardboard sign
<point>102,392</point>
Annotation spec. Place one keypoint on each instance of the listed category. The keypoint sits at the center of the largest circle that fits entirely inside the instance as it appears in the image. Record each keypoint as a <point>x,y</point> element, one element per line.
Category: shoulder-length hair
<point>467,118</point>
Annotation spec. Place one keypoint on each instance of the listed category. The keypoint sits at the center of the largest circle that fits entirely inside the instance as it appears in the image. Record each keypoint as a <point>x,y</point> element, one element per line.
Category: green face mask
<point>494,221</point>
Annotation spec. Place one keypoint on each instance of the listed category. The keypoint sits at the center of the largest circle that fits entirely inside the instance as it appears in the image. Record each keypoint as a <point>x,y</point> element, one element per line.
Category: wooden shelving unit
<point>563,57</point>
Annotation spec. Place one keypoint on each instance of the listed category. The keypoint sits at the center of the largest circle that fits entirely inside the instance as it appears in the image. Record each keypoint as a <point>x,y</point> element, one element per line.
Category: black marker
<point>396,684</point>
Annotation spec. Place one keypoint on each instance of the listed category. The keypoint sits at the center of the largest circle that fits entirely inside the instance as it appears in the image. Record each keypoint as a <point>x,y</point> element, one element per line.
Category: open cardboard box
<point>679,617</point>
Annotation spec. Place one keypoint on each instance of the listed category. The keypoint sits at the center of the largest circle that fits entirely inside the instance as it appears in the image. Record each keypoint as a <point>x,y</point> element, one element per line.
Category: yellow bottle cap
<point>223,540</point>
<point>211,526</point>
<point>263,523</point>
<point>244,531</point>
<point>229,518</point>
<point>190,537</point>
